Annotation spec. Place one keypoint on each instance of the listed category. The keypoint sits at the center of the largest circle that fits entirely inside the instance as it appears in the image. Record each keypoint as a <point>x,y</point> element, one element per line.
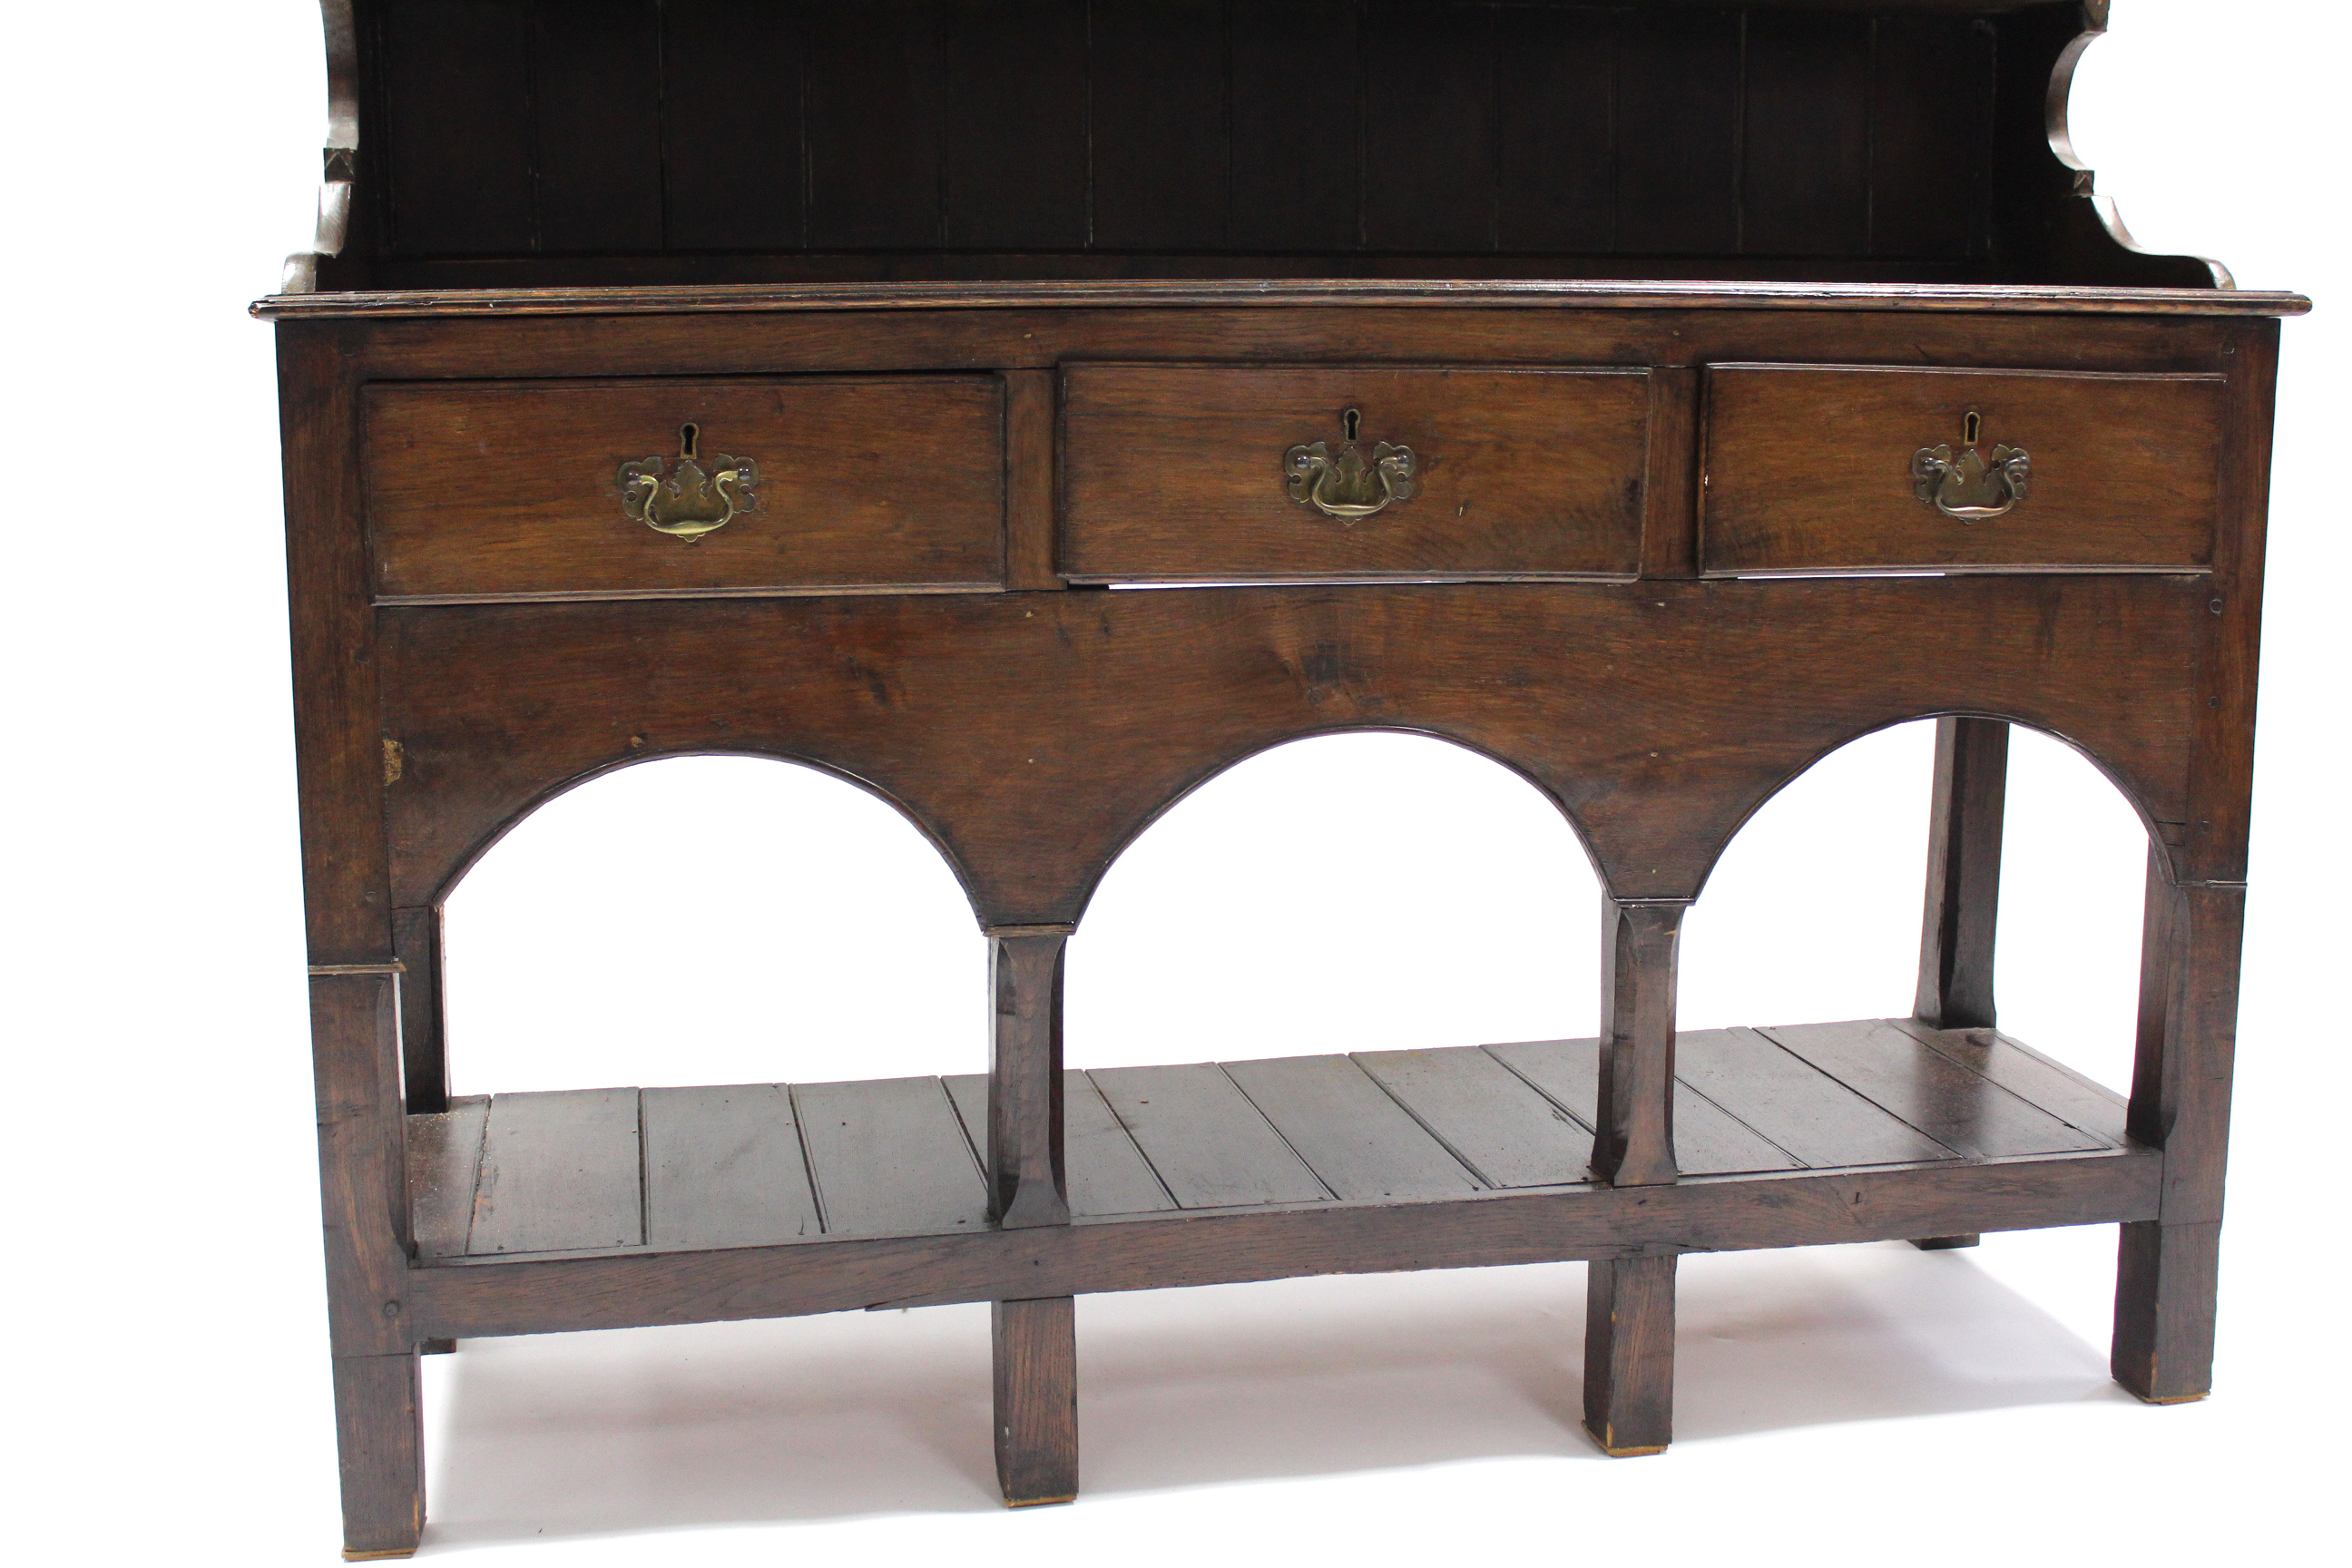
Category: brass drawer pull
<point>692,500</point>
<point>1346,486</point>
<point>1968,487</point>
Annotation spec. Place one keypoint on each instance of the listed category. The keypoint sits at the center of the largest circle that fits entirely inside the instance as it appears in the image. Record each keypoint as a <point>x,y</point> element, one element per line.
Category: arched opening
<point>710,920</point>
<point>1371,891</point>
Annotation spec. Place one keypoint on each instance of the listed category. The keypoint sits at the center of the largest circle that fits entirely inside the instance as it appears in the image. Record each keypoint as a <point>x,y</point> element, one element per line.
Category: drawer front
<point>518,490</point>
<point>1812,469</point>
<point>1200,473</point>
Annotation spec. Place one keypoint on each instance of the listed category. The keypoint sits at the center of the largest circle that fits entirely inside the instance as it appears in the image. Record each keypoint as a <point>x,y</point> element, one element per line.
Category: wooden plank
<point>1363,1146</point>
<point>889,1158</point>
<point>874,130</point>
<point>732,155</point>
<point>1209,1145</point>
<point>596,101</point>
<point>1106,1173</point>
<point>1931,103</point>
<point>1297,172</point>
<point>458,139</point>
<point>1677,132</point>
<point>2018,1068</point>
<point>1504,1131</point>
<point>1429,140</point>
<point>1795,1104</point>
<point>559,1172</point>
<point>1708,1139</point>
<point>1016,124</point>
<point>724,1167</point>
<point>1159,137</point>
<point>1805,143</point>
<point>445,1154</point>
<point>1557,128</point>
<point>1960,1109</point>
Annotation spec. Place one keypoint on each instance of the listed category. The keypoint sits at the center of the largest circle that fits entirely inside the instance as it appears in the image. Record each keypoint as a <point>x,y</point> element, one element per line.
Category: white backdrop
<point>726,920</point>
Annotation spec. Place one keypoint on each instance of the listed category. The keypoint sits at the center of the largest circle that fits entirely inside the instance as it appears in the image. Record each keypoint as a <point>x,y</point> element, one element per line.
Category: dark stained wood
<point>732,161</point>
<point>888,1157</point>
<point>1556,122</point>
<point>1634,1137</point>
<point>1430,92</point>
<point>723,1167</point>
<point>1106,1173</point>
<point>1794,1104</point>
<point>1805,135</point>
<point>551,1295</point>
<point>444,1153</point>
<point>458,153</point>
<point>514,490</point>
<point>1963,899</point>
<point>1963,1110</point>
<point>598,100</point>
<point>876,131</point>
<point>1946,1243</point>
<point>1036,1377</point>
<point>1030,467</point>
<point>561,1171</point>
<point>1629,1353</point>
<point>1016,124</point>
<point>423,1048</point>
<point>1160,150</point>
<point>1507,1134</point>
<point>1518,474</point>
<point>1708,1139</point>
<point>1352,1135</point>
<point>380,1425</point>
<point>2055,1088</point>
<point>1207,1143</point>
<point>1809,468</point>
<point>1110,706</point>
<point>1298,135</point>
<point>1606,268</point>
<point>1023,1152</point>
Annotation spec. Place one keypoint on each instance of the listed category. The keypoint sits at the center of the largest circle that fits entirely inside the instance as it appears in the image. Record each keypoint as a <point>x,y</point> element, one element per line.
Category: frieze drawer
<point>1209,473</point>
<point>1813,469</point>
<point>656,488</point>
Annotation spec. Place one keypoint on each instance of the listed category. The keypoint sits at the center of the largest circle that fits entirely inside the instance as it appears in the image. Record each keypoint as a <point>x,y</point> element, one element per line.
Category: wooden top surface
<point>1612,293</point>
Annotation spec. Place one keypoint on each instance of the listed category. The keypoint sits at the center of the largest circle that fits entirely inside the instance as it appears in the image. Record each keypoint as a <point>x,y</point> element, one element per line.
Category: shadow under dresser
<point>1652,397</point>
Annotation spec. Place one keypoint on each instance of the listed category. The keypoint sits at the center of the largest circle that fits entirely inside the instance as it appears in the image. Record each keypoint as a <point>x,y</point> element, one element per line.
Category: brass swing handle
<point>691,500</point>
<point>1970,487</point>
<point>1346,485</point>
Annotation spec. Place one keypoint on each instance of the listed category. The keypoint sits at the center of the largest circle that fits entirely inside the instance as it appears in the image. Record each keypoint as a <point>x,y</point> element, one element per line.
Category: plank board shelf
<point>516,1176</point>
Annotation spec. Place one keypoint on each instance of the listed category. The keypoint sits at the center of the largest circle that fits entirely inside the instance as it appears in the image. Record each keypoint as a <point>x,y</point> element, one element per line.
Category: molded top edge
<point>669,300</point>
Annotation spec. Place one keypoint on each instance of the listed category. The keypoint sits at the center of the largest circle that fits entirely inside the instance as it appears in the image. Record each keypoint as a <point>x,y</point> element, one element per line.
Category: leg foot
<point>1037,1355</point>
<point>1629,1355</point>
<point>1944,1243</point>
<point>437,1347</point>
<point>380,1435</point>
<point>2165,1278</point>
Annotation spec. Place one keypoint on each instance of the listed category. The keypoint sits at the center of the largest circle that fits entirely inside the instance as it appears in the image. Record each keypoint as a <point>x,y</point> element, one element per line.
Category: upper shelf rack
<point>547,144</point>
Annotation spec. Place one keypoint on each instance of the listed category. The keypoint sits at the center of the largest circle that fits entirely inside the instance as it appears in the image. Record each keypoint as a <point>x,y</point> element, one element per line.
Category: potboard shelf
<point>607,1170</point>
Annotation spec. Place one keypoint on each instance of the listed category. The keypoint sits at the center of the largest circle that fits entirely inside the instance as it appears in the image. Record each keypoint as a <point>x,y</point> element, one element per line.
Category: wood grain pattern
<point>1794,1104</point>
<point>1629,1353</point>
<point>1209,1145</point>
<point>512,490</point>
<point>444,1153</point>
<point>1356,1139</point>
<point>723,1167</point>
<point>1108,1173</point>
<point>1963,1110</point>
<point>1962,909</point>
<point>1708,1139</point>
<point>1809,468</point>
<point>888,1158</point>
<point>1035,1361</point>
<point>561,1171</point>
<point>1177,473</point>
<point>1509,1135</point>
<point>2024,1071</point>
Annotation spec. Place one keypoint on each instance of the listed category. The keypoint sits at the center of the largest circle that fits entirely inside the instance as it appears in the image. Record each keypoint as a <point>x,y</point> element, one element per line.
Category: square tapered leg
<point>1629,1355</point>
<point>1037,1349</point>
<point>380,1431</point>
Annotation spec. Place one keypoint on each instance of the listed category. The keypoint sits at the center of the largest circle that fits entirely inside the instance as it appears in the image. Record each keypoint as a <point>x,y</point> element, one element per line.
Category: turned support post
<point>2166,1268</point>
<point>1033,1342</point>
<point>1963,901</point>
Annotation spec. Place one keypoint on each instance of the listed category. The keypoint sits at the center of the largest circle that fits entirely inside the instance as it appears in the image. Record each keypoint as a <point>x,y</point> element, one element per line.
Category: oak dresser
<point>1652,397</point>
